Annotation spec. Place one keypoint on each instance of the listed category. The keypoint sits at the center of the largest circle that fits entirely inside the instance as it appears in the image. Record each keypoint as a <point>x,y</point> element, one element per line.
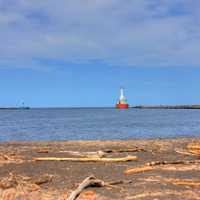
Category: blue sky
<point>79,52</point>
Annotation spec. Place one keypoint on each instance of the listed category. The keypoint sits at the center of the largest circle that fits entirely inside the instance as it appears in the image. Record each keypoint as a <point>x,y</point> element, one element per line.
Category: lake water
<point>84,124</point>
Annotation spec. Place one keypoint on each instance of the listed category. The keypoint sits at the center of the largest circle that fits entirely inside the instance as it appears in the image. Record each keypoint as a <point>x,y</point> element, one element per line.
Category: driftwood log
<point>175,181</point>
<point>102,153</point>
<point>153,165</point>
<point>184,152</point>
<point>88,159</point>
<point>184,182</point>
<point>85,154</point>
<point>136,149</point>
<point>91,181</point>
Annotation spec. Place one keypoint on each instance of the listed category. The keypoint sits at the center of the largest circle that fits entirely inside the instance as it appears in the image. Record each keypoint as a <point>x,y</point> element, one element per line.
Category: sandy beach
<point>157,169</point>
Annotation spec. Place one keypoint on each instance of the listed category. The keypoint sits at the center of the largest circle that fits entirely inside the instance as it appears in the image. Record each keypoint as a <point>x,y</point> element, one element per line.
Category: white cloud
<point>131,32</point>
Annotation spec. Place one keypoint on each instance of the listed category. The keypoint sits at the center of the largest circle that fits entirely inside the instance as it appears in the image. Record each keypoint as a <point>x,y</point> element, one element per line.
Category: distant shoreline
<point>131,107</point>
<point>169,107</point>
<point>15,108</point>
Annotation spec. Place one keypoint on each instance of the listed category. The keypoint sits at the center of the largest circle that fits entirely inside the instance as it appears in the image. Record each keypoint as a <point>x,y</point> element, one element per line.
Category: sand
<point>23,178</point>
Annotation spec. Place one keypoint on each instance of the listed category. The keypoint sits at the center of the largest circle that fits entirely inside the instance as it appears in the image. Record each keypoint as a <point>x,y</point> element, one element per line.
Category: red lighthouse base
<point>122,106</point>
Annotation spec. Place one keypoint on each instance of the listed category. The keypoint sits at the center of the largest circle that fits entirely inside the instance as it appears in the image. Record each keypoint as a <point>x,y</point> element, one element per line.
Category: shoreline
<point>129,140</point>
<point>187,106</point>
<point>168,107</point>
<point>56,179</point>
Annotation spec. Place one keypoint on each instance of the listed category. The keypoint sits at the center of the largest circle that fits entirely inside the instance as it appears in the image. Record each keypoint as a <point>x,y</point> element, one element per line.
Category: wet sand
<point>23,178</point>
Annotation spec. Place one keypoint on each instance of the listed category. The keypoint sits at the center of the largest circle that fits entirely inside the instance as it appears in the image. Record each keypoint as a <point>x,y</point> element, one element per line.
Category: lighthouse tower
<point>122,103</point>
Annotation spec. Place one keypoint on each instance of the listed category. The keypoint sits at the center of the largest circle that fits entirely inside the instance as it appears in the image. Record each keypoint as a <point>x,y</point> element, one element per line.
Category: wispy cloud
<point>131,32</point>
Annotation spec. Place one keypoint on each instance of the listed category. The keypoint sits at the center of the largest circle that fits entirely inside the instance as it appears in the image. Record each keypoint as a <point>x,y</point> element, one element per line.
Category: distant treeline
<point>169,107</point>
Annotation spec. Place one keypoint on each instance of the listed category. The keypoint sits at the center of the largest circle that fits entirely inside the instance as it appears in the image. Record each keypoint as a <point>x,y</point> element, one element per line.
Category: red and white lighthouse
<point>122,102</point>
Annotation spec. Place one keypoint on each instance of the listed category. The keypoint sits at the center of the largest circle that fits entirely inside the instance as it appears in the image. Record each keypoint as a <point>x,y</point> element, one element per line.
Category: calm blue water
<point>76,124</point>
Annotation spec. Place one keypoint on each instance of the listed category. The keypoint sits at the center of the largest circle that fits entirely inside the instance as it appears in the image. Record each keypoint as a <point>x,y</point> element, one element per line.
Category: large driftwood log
<point>91,181</point>
<point>91,159</point>
<point>85,154</point>
<point>136,149</point>
<point>184,152</point>
<point>155,164</point>
<point>102,153</point>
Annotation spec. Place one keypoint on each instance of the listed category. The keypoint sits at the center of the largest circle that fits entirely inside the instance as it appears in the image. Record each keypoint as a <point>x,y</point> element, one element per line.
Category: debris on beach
<point>13,180</point>
<point>175,181</point>
<point>100,153</point>
<point>125,150</point>
<point>10,158</point>
<point>167,194</point>
<point>88,159</point>
<point>122,170</point>
<point>22,187</point>
<point>92,181</point>
<point>95,154</point>
<point>194,148</point>
<point>43,150</point>
<point>158,165</point>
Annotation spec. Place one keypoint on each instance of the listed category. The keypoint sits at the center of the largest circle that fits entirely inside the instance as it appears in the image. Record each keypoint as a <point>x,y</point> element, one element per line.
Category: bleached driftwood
<point>102,153</point>
<point>184,182</point>
<point>136,149</point>
<point>175,181</point>
<point>88,182</point>
<point>184,152</point>
<point>91,181</point>
<point>139,169</point>
<point>153,165</point>
<point>85,154</point>
<point>88,159</point>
